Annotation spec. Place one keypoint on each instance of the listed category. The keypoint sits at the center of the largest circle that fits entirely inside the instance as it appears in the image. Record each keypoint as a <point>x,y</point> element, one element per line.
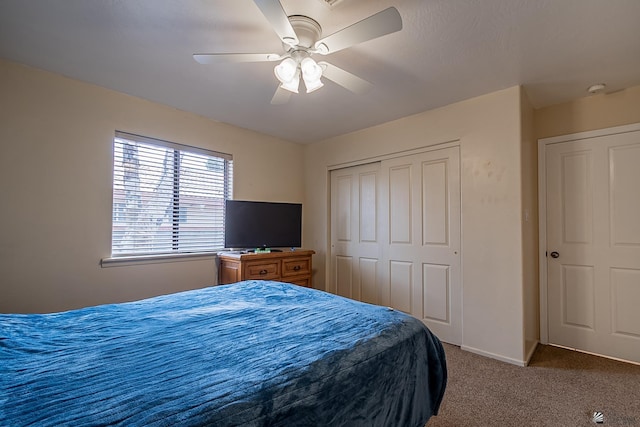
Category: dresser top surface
<point>286,253</point>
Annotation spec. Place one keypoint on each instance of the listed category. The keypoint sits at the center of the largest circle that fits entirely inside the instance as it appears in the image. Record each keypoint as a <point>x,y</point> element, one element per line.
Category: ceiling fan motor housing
<point>308,30</point>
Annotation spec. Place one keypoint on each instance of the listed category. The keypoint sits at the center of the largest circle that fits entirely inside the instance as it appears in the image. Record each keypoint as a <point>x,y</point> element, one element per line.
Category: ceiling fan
<point>301,39</point>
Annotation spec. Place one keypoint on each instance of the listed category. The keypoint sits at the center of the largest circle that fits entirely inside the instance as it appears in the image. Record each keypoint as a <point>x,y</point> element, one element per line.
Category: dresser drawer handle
<point>296,268</point>
<point>263,272</point>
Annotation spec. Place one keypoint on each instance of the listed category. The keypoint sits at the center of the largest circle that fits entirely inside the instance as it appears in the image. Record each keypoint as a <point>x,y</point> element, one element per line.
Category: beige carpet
<point>558,388</point>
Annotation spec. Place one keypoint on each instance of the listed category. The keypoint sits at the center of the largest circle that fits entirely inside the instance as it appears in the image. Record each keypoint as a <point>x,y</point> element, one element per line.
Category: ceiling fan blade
<point>219,58</point>
<point>382,23</point>
<point>344,78</point>
<point>275,14</point>
<point>281,96</point>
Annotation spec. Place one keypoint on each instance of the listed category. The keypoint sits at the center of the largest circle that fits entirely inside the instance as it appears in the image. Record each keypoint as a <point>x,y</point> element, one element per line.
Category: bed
<point>253,353</point>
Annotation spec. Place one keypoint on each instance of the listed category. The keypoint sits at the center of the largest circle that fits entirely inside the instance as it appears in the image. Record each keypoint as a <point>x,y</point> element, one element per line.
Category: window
<point>167,198</point>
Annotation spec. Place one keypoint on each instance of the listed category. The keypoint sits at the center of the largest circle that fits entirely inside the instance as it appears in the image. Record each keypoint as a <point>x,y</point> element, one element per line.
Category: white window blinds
<point>167,198</point>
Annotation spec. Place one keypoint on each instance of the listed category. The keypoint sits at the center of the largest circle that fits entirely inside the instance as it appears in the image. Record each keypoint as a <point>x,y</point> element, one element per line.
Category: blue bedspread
<point>248,354</point>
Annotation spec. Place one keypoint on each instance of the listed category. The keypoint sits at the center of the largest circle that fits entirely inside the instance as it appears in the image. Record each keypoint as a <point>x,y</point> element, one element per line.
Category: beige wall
<point>530,281</point>
<point>489,133</point>
<point>56,138</point>
<point>589,113</point>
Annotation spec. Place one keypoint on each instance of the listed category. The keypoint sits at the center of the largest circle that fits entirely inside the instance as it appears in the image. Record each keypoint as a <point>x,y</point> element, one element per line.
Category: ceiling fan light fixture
<point>311,73</point>
<point>286,70</point>
<point>312,85</point>
<point>310,69</point>
<point>293,84</point>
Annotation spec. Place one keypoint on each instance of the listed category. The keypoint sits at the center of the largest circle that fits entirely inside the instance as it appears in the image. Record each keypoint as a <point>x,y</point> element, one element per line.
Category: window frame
<point>177,210</point>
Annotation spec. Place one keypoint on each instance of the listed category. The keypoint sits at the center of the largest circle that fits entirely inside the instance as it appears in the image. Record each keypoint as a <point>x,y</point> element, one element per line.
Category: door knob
<point>555,254</point>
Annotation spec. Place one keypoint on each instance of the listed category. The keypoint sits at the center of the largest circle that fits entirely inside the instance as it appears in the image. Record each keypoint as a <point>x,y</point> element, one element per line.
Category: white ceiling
<point>447,51</point>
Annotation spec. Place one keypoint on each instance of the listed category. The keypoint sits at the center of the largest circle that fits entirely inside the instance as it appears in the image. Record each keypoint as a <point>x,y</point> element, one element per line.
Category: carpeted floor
<point>559,388</point>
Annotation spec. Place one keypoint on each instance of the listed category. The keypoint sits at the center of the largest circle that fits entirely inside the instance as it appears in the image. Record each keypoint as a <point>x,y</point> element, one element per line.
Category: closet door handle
<point>555,254</point>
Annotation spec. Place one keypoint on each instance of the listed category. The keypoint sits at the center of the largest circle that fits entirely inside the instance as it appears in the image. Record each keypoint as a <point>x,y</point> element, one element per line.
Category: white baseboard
<point>495,356</point>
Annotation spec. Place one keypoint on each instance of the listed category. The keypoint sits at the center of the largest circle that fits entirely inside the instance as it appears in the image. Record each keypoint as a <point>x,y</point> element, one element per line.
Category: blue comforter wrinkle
<point>253,353</point>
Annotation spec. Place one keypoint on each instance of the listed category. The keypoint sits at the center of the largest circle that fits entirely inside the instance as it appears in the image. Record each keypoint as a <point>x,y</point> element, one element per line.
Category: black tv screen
<point>253,225</point>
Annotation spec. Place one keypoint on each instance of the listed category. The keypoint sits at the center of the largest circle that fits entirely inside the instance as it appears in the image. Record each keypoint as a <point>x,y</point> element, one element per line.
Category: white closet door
<point>395,237</point>
<point>355,244</point>
<point>421,250</point>
<point>593,242</point>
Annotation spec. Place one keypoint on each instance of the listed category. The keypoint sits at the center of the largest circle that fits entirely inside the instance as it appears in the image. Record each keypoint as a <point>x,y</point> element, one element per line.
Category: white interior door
<point>593,244</point>
<point>355,245</point>
<point>421,251</point>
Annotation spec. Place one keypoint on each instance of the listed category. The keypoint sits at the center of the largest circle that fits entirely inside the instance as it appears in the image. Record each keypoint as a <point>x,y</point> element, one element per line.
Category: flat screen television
<point>261,225</point>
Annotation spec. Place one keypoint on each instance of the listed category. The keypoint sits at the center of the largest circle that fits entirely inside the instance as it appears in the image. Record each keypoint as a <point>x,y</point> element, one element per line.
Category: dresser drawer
<point>296,266</point>
<point>262,270</point>
<point>302,281</point>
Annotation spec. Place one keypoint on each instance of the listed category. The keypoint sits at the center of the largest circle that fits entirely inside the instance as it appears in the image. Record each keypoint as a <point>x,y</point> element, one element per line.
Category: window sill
<point>123,261</point>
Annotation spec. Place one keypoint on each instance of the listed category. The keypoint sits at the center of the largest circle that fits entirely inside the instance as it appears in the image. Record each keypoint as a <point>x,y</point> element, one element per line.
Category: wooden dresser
<point>287,266</point>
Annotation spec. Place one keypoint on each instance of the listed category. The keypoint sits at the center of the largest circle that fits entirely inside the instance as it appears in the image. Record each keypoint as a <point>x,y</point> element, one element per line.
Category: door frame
<point>542,208</point>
